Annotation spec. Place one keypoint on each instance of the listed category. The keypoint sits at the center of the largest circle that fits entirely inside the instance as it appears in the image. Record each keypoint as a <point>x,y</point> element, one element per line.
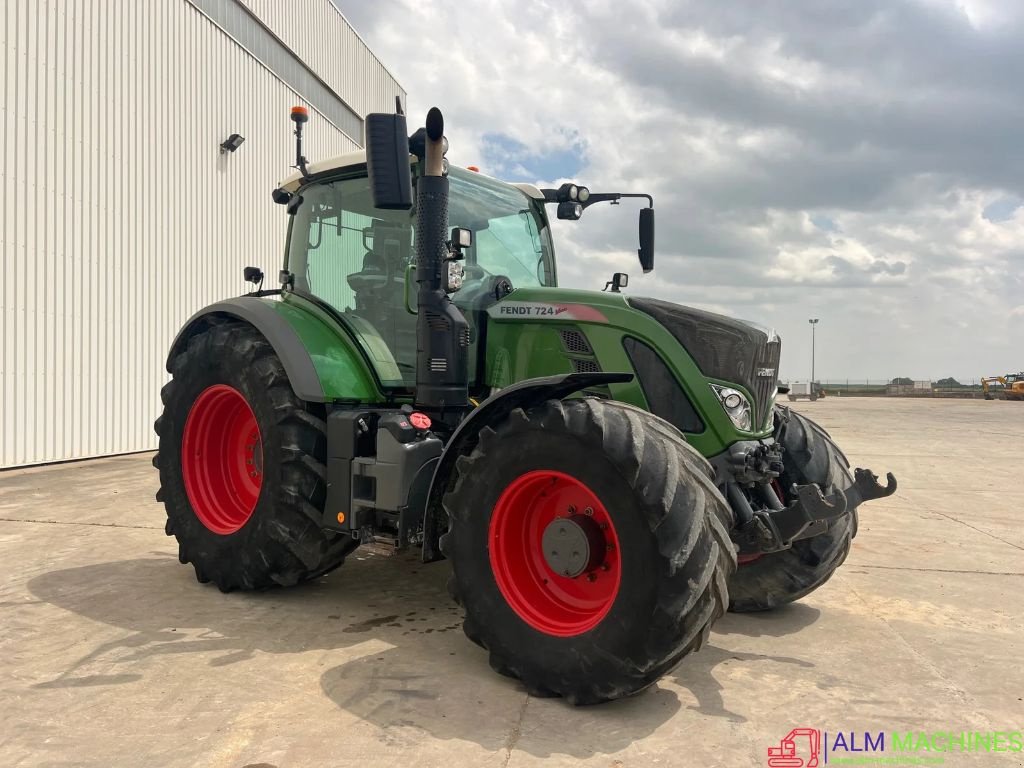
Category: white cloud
<point>826,160</point>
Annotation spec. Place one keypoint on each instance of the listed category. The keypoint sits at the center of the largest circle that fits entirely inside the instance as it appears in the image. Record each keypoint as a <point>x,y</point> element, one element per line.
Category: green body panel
<point>522,347</point>
<point>343,371</point>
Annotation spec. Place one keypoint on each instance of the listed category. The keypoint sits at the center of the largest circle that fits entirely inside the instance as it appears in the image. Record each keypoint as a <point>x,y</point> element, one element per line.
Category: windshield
<point>509,237</point>
<point>355,257</point>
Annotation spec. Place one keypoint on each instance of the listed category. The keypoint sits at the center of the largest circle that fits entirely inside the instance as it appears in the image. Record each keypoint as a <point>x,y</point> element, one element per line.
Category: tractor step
<point>384,546</point>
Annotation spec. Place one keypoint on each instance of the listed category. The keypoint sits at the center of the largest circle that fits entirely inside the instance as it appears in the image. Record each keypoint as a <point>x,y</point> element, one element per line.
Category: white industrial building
<point>121,213</point>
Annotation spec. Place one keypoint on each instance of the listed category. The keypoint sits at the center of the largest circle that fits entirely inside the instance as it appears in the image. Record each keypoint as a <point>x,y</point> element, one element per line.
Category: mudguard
<point>275,329</point>
<point>492,411</point>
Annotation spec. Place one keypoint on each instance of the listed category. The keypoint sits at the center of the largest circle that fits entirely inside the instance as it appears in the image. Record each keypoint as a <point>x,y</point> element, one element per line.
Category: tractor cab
<point>359,259</point>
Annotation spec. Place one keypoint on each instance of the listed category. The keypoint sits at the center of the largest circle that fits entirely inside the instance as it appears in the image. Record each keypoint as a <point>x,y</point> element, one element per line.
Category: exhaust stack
<point>442,333</point>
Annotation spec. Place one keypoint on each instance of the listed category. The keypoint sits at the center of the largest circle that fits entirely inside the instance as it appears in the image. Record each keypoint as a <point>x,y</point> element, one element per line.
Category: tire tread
<point>672,482</point>
<point>291,547</point>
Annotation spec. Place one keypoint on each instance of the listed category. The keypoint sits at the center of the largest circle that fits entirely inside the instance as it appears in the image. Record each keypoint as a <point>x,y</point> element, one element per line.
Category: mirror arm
<point>602,197</point>
<point>551,196</point>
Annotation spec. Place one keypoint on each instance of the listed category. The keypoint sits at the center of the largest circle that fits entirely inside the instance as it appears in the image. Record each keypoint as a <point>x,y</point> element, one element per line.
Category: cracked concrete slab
<point>114,656</point>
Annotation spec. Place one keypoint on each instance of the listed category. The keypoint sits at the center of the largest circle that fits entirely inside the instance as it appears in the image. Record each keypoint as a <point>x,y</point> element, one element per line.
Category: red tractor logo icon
<point>786,755</point>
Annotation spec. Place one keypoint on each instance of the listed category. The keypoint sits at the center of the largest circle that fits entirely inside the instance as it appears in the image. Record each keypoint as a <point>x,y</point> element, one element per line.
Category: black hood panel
<point>722,347</point>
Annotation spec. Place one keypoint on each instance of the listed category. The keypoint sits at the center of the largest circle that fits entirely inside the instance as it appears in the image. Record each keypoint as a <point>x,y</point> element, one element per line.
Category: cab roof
<point>358,157</point>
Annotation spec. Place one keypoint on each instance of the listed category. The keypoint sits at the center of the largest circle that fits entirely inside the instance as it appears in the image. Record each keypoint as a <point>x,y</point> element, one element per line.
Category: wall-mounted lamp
<point>231,143</point>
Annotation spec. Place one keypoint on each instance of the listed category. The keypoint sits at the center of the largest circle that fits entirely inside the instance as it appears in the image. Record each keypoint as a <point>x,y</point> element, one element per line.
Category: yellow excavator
<point>1013,386</point>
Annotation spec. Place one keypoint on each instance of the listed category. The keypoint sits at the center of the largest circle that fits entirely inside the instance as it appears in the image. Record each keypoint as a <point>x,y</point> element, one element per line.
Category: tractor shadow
<point>397,656</point>
<point>166,612</point>
<point>695,673</point>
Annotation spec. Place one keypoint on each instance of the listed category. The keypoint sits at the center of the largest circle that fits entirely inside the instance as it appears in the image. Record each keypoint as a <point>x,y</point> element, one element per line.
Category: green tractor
<point>606,475</point>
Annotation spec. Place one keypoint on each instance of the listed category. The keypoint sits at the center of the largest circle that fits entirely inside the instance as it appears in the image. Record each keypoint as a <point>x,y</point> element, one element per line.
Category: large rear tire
<point>651,527</point>
<point>773,580</point>
<point>241,463</point>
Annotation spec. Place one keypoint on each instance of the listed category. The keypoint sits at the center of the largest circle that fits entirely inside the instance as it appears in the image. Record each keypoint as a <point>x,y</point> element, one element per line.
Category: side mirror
<point>253,275</point>
<point>619,281</point>
<point>387,161</point>
<point>646,252</point>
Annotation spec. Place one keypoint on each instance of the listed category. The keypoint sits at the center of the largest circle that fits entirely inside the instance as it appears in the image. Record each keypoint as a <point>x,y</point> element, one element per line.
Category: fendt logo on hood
<point>532,309</point>
<point>538,310</point>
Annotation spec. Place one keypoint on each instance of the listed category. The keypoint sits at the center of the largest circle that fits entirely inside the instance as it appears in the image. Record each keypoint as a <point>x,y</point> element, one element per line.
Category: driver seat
<point>379,287</point>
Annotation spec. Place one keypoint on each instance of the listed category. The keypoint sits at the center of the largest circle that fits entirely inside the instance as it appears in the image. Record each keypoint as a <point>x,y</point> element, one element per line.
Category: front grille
<point>765,383</point>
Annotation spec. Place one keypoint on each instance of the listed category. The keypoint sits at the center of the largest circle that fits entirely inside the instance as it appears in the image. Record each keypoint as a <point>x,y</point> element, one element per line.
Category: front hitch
<point>772,530</point>
<point>866,487</point>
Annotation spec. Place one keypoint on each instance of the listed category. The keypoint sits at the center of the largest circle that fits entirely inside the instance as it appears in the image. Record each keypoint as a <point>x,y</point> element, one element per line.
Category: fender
<point>493,410</point>
<point>275,329</point>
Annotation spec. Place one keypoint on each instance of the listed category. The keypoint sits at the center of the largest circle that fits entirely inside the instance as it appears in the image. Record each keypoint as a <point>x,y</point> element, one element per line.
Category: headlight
<point>736,405</point>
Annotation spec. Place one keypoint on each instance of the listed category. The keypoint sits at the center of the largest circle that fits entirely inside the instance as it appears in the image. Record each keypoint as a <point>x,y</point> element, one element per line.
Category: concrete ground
<point>112,655</point>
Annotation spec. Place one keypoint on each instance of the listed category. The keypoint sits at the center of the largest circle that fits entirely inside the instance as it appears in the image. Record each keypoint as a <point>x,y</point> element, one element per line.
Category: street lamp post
<point>814,323</point>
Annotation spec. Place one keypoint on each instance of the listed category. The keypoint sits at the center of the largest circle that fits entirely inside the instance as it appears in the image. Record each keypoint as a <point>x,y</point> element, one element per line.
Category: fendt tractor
<point>606,475</point>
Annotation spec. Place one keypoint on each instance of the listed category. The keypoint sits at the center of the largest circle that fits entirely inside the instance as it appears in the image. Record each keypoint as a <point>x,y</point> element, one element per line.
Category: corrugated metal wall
<point>323,38</point>
<point>120,215</point>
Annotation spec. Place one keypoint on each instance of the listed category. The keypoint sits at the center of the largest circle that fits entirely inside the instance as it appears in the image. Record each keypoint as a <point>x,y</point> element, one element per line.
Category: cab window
<point>355,257</point>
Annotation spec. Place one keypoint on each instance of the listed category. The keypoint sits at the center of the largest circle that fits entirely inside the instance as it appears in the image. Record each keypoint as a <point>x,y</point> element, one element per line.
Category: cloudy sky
<point>860,162</point>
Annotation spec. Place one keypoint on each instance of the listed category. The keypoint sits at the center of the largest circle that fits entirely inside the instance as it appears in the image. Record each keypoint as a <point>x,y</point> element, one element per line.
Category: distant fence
<point>920,388</point>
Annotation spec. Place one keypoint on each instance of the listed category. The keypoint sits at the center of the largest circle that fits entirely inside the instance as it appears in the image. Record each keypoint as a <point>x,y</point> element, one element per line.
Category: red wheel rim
<point>549,601</point>
<point>222,459</point>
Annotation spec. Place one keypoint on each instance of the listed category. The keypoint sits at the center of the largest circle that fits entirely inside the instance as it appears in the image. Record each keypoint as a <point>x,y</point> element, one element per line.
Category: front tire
<point>646,576</point>
<point>778,578</point>
<point>241,463</point>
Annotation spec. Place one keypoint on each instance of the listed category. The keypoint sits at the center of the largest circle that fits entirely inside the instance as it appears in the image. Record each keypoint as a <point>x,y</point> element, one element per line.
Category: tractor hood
<point>716,347</point>
<point>723,348</point>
